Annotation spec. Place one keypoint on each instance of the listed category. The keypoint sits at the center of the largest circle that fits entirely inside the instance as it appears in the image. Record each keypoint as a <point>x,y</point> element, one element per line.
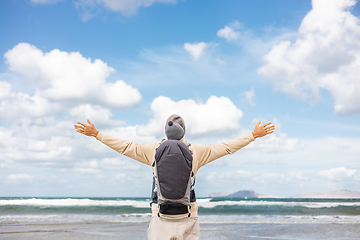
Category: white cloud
<point>248,97</point>
<point>64,77</point>
<point>44,139</point>
<point>325,56</point>
<point>273,177</point>
<point>275,143</point>
<point>98,115</point>
<point>232,176</point>
<point>299,175</point>
<point>218,116</point>
<point>196,50</point>
<point>6,137</point>
<point>130,7</point>
<point>5,88</point>
<point>133,134</point>
<point>340,173</point>
<point>116,163</point>
<point>258,180</point>
<point>125,7</point>
<point>228,33</point>
<point>39,130</point>
<point>18,179</point>
<point>87,170</point>
<point>16,105</point>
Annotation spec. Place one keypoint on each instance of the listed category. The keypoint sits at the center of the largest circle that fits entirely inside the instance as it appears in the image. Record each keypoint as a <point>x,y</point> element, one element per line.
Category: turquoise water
<point>211,210</point>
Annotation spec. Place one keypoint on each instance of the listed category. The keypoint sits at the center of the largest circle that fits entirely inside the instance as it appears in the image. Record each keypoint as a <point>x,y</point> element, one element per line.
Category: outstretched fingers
<point>269,129</point>
<point>265,129</point>
<point>88,130</point>
<point>83,124</point>
<point>266,124</point>
<point>90,122</point>
<point>80,128</point>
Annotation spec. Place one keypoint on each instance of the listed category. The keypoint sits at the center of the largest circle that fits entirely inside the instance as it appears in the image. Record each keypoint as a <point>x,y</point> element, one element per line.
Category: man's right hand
<point>88,130</point>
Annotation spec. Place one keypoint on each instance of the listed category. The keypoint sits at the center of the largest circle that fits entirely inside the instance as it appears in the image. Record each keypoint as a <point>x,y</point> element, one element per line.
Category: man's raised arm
<point>209,153</point>
<point>141,152</point>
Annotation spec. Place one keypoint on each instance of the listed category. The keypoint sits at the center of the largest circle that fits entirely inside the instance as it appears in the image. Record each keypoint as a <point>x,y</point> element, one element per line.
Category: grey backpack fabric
<point>173,177</point>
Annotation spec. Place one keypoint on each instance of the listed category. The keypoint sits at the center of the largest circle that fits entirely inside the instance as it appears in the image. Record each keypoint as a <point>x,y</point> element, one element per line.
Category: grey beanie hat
<point>174,131</point>
<point>176,119</point>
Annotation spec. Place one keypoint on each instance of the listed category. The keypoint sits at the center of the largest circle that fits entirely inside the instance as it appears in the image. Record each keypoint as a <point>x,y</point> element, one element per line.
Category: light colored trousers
<point>163,229</point>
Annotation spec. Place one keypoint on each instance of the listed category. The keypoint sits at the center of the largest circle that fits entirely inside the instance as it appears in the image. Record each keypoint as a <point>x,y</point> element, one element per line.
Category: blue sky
<point>127,65</point>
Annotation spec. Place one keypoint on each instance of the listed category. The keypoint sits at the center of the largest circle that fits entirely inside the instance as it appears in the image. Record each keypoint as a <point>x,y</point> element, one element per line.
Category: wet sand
<point>137,231</point>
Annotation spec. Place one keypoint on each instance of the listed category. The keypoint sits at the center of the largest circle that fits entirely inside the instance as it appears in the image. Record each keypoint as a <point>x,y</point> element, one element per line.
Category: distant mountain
<point>243,194</point>
<point>331,194</point>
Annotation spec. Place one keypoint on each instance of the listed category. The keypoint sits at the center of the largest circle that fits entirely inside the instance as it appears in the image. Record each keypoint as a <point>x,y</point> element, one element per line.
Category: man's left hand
<point>263,130</point>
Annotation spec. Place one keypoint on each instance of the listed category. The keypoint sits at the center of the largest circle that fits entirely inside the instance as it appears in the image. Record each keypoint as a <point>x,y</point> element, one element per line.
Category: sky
<point>222,65</point>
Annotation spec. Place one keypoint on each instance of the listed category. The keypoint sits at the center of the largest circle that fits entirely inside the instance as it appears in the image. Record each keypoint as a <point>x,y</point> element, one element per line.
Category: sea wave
<point>207,203</point>
<point>72,202</point>
<point>144,203</point>
<point>207,206</point>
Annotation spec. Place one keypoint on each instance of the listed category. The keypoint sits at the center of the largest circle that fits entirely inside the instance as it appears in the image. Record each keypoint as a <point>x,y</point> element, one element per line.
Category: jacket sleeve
<point>205,154</point>
<point>143,153</point>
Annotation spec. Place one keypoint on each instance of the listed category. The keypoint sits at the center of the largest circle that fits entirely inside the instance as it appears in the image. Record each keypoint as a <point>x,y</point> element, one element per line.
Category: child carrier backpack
<point>173,177</point>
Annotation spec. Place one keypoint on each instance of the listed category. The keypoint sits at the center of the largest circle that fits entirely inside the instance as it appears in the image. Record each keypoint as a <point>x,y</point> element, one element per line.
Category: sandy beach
<point>137,231</point>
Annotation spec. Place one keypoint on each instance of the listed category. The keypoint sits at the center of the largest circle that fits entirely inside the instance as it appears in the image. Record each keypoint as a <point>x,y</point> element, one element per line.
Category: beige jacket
<point>202,154</point>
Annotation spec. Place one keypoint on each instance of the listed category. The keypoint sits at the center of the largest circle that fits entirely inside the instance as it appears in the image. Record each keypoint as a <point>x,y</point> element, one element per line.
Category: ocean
<point>220,218</point>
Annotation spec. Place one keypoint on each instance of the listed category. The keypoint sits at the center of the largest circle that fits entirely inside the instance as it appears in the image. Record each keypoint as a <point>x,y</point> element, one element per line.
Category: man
<point>164,229</point>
